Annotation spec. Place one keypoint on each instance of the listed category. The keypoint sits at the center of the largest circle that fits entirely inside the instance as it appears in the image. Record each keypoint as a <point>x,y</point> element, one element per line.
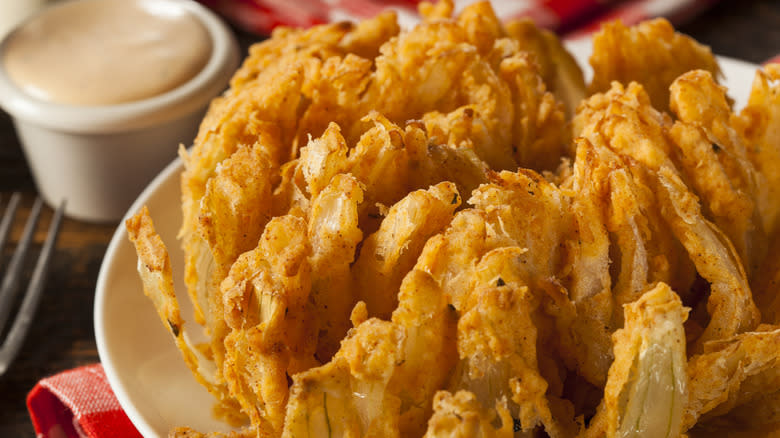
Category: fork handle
<point>24,318</point>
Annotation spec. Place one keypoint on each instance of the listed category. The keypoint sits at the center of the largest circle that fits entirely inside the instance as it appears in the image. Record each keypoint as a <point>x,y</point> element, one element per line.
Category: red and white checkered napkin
<point>78,403</point>
<point>563,16</point>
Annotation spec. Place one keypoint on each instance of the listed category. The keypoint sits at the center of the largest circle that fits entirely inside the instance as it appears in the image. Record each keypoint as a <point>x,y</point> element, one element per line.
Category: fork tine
<point>8,217</point>
<point>12,278</point>
<point>32,297</point>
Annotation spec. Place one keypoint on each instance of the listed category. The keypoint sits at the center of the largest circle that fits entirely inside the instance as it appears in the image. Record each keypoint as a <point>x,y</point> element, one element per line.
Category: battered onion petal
<point>643,248</point>
<point>495,363</point>
<point>714,158</point>
<point>730,376</point>
<point>154,267</point>
<point>541,227</point>
<point>646,389</point>
<point>462,415</point>
<point>759,123</point>
<point>252,116</point>
<point>623,121</point>
<point>389,254</point>
<point>451,257</point>
<point>349,396</point>
<point>467,128</point>
<point>431,160</point>
<point>730,303</point>
<point>233,212</point>
<point>588,349</point>
<point>273,329</point>
<point>381,163</point>
<point>650,53</point>
<point>541,134</point>
<point>334,235</point>
<point>378,382</point>
<point>321,159</point>
<point>429,349</point>
<point>560,72</point>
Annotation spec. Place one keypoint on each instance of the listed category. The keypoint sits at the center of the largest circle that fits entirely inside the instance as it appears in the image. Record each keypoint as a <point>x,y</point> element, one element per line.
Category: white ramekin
<point>99,158</point>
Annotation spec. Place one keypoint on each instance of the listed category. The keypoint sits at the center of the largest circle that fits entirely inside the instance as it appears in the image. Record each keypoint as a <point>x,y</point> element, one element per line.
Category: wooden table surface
<point>63,337</point>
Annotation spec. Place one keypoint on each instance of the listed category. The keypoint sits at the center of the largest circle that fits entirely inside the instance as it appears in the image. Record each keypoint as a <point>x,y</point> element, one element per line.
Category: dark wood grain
<point>63,337</point>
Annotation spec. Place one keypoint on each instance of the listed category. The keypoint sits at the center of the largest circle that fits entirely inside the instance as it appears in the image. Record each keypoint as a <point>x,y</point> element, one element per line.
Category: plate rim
<point>176,166</point>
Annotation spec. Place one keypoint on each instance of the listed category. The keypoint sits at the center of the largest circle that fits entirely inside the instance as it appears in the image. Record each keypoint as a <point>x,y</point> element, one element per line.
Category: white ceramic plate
<point>143,366</point>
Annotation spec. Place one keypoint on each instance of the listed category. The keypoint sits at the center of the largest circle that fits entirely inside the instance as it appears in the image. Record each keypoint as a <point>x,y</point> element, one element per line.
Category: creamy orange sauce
<point>104,52</point>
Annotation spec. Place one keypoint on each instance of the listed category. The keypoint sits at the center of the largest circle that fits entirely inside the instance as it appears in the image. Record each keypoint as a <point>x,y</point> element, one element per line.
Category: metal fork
<point>13,276</point>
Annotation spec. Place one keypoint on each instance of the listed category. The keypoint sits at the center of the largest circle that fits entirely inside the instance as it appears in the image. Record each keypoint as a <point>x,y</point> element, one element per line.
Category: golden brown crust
<point>374,217</point>
<point>650,53</point>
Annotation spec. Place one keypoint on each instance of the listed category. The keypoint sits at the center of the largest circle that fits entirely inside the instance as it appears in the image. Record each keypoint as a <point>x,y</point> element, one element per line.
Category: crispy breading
<point>759,123</point>
<point>734,372</point>
<point>379,382</point>
<point>230,122</point>
<point>230,223</point>
<point>538,230</point>
<point>495,363</point>
<point>646,389</point>
<point>714,158</point>
<point>461,415</point>
<point>643,248</point>
<point>558,69</point>
<point>623,121</point>
<point>334,234</point>
<point>451,257</point>
<point>431,161</point>
<point>343,283</point>
<point>766,284</point>
<point>272,334</point>
<point>186,432</point>
<point>650,53</point>
<point>588,279</point>
<point>388,254</point>
<point>730,303</point>
<point>325,82</point>
<point>429,349</point>
<point>322,399</point>
<point>154,267</point>
<point>541,134</point>
<point>436,67</point>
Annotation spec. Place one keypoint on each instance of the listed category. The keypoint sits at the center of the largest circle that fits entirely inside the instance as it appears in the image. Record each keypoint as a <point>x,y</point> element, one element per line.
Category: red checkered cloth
<point>563,16</point>
<point>79,402</point>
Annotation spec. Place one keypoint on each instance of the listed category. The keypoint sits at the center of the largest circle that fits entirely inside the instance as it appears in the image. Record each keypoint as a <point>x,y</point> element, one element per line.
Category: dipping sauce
<point>106,52</point>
